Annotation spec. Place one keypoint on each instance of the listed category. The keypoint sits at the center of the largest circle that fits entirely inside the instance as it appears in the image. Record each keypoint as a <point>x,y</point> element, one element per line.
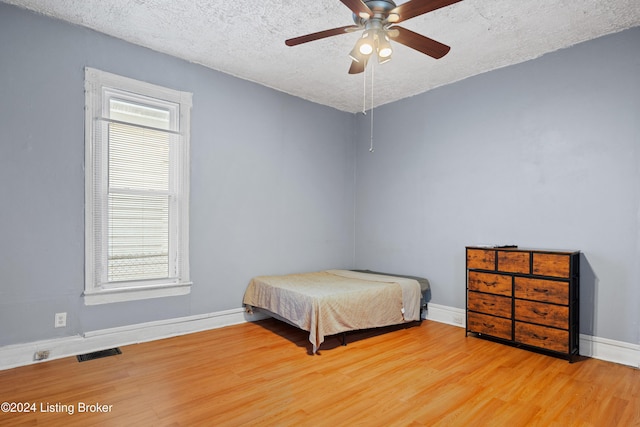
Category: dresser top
<point>523,249</point>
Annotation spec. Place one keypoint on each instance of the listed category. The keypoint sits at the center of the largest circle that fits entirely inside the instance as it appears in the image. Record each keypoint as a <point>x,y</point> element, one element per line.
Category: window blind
<point>140,193</point>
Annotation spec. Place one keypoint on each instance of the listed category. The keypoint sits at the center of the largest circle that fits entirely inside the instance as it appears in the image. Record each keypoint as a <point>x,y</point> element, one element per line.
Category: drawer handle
<point>540,313</point>
<point>491,284</point>
<point>538,337</point>
<point>488,304</point>
<point>488,325</point>
<point>542,291</point>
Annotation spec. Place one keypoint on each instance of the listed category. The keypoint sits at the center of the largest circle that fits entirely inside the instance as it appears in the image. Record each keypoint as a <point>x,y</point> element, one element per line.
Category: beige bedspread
<point>333,301</point>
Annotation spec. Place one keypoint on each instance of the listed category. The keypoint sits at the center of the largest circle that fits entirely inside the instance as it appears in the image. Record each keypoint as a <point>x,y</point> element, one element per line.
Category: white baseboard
<point>444,314</point>
<point>610,350</point>
<point>12,356</point>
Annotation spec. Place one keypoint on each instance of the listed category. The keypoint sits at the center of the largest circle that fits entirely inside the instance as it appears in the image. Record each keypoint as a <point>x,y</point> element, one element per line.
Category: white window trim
<point>98,293</point>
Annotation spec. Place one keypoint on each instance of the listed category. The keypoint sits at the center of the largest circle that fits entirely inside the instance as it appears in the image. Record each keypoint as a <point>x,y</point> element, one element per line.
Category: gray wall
<point>272,180</point>
<point>543,154</point>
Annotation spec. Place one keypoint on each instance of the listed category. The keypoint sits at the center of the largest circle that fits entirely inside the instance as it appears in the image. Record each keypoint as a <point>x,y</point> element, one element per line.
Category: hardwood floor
<point>261,374</point>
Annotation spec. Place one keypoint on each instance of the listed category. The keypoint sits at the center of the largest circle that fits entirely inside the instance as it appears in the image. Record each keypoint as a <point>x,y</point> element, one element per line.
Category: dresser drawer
<point>514,262</point>
<point>542,313</point>
<point>481,259</point>
<point>554,265</point>
<point>490,283</point>
<point>542,336</point>
<point>490,325</point>
<point>542,290</point>
<point>489,304</point>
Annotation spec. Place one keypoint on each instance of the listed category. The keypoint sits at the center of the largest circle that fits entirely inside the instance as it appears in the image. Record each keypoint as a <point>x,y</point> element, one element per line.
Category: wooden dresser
<point>525,297</point>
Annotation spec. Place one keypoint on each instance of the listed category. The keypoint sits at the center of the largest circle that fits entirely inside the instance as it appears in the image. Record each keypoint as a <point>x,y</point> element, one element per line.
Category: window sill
<point>107,296</point>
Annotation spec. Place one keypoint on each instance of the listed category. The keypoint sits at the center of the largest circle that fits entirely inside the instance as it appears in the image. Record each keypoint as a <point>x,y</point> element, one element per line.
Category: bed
<point>331,302</point>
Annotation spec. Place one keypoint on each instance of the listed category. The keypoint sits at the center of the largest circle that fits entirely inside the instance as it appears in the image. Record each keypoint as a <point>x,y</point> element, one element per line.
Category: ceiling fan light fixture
<point>384,46</point>
<point>366,43</point>
<point>362,50</point>
<point>365,49</point>
<point>385,53</point>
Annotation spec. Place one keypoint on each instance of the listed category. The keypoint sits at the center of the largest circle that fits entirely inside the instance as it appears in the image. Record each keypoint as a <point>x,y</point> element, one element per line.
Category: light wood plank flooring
<point>261,374</point>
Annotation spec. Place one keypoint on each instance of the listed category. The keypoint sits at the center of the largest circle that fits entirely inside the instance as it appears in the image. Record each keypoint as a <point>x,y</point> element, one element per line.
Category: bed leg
<point>344,338</point>
<point>423,312</point>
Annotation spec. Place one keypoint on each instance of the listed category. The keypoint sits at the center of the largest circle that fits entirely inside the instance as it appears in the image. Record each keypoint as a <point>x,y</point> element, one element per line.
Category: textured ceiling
<point>245,38</point>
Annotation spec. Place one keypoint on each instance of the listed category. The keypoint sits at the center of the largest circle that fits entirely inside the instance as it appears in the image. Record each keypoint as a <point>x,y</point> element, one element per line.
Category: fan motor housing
<point>380,9</point>
<point>380,5</point>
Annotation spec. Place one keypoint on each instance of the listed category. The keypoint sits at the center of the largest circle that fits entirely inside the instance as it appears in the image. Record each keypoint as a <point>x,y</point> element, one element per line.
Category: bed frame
<point>334,302</point>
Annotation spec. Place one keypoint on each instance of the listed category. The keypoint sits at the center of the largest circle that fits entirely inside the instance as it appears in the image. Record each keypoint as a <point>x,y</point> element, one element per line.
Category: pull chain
<point>372,76</point>
<point>364,100</point>
<point>364,92</point>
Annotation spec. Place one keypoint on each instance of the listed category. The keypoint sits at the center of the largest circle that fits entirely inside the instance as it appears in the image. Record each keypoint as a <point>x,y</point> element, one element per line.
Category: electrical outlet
<point>61,320</point>
<point>41,355</point>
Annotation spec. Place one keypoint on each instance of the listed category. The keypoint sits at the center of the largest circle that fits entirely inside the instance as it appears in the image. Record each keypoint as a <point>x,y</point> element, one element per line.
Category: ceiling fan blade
<point>357,67</point>
<point>419,42</point>
<point>320,35</point>
<point>414,8</point>
<point>358,7</point>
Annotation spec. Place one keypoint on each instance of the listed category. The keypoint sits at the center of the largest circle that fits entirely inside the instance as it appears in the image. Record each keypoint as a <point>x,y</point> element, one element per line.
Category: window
<point>136,189</point>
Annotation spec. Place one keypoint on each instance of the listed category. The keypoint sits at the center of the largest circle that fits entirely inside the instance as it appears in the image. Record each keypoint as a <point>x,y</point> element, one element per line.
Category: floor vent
<point>98,354</point>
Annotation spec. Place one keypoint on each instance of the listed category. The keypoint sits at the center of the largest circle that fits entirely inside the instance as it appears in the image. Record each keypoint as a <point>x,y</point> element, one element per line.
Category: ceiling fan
<point>378,19</point>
